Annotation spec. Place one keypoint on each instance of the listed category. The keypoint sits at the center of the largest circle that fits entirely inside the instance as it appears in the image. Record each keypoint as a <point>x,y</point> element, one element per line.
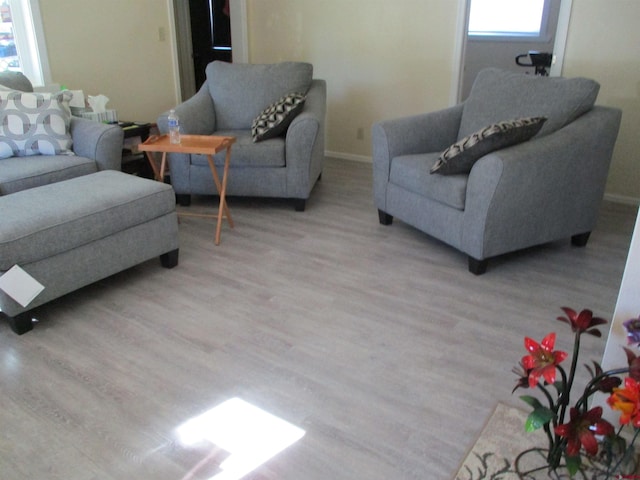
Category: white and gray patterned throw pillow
<point>34,123</point>
<point>460,157</point>
<point>275,119</point>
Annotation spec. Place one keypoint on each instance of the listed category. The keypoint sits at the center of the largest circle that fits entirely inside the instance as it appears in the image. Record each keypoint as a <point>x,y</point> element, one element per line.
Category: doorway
<point>476,53</point>
<point>210,35</point>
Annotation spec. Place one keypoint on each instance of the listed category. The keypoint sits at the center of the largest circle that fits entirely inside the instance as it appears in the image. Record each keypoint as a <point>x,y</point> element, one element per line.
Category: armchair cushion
<point>241,91</point>
<point>499,94</point>
<point>34,124</point>
<point>411,173</point>
<point>274,120</point>
<point>460,157</point>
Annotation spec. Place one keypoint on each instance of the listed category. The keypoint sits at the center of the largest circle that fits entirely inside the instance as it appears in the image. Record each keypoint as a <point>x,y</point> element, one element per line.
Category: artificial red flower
<point>523,377</point>
<point>605,384</point>
<point>583,321</point>
<point>582,429</point>
<point>542,360</point>
<point>627,400</point>
<point>634,364</point>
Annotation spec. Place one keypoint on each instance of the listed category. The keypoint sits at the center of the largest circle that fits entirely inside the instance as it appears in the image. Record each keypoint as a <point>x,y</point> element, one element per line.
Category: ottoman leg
<point>21,323</point>
<point>169,259</point>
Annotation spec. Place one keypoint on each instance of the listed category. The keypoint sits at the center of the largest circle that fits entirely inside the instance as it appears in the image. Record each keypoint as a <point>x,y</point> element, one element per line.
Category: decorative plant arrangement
<point>579,439</point>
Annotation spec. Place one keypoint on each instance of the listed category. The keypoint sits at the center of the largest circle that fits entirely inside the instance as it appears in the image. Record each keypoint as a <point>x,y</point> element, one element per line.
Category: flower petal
<point>548,342</point>
<point>531,345</point>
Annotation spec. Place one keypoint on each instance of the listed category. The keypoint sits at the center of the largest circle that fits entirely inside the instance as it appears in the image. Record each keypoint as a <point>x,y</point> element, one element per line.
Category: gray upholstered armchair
<point>544,189</point>
<point>286,166</point>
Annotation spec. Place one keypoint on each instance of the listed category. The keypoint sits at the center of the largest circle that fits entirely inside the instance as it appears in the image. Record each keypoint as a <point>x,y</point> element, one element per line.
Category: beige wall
<point>113,47</point>
<point>604,44</point>
<point>385,59</point>
<point>380,59</point>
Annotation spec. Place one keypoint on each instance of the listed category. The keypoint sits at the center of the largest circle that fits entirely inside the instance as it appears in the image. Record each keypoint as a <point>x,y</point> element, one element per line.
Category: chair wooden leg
<point>478,267</point>
<point>581,239</point>
<point>385,218</point>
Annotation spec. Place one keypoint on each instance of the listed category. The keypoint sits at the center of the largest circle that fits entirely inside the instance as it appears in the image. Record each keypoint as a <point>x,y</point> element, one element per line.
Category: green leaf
<point>573,464</point>
<point>538,419</point>
<point>532,401</point>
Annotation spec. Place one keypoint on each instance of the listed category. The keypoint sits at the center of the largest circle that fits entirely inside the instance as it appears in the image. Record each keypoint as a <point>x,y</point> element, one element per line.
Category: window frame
<point>542,36</point>
<point>30,41</point>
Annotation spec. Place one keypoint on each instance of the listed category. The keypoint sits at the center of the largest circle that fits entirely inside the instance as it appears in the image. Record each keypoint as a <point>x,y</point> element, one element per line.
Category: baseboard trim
<point>348,156</point>
<point>612,197</point>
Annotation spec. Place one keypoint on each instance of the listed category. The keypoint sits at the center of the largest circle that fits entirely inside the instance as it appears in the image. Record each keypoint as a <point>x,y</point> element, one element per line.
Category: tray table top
<point>197,144</point>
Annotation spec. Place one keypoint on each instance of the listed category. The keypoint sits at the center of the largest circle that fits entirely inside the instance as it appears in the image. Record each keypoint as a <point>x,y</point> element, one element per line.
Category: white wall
<point>627,307</point>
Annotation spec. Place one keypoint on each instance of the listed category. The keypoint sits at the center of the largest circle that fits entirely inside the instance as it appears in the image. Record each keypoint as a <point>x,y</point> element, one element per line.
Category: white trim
<point>624,199</point>
<point>239,31</point>
<point>30,41</point>
<point>348,156</point>
<point>459,51</point>
<point>177,92</point>
<point>41,43</point>
<point>560,44</point>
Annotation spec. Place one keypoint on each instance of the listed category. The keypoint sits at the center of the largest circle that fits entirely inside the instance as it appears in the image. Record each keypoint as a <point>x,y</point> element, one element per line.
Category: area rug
<point>503,438</point>
<point>500,442</point>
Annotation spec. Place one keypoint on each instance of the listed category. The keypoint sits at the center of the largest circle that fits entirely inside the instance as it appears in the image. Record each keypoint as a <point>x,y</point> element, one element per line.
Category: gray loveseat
<point>233,95</point>
<point>71,220</point>
<point>545,189</point>
<point>96,146</point>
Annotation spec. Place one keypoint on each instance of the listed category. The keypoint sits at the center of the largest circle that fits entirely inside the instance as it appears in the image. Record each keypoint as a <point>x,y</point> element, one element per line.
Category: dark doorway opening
<point>210,34</point>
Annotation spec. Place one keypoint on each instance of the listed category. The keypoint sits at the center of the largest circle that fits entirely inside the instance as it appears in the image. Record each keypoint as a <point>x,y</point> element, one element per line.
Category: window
<point>21,40</point>
<point>493,19</point>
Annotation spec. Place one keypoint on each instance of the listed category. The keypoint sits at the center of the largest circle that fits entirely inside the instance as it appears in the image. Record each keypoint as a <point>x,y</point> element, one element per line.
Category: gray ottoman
<point>72,233</point>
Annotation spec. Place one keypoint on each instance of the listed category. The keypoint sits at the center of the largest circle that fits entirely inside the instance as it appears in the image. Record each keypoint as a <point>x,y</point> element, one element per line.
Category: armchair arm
<point>425,133</point>
<point>542,190</point>
<point>197,115</point>
<point>304,143</point>
<point>98,141</point>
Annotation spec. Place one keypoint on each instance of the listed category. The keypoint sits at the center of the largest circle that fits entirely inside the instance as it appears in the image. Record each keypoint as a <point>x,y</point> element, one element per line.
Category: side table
<point>134,161</point>
<point>207,145</point>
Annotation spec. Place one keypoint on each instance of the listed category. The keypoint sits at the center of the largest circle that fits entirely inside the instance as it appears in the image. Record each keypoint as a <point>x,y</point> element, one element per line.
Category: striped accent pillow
<point>461,156</point>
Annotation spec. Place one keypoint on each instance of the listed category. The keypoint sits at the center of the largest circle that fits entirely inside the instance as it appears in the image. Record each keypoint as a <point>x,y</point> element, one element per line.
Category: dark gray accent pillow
<point>276,118</point>
<point>460,157</point>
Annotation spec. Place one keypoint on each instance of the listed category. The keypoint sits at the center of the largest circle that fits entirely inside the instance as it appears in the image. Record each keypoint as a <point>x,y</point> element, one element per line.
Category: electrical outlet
<point>360,133</point>
<point>161,34</point>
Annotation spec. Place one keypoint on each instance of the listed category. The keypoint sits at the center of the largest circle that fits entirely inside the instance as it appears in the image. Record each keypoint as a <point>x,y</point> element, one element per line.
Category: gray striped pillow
<point>461,156</point>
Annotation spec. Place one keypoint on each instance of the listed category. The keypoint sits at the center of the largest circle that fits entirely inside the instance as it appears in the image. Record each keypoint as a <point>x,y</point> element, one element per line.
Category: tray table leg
<point>223,209</point>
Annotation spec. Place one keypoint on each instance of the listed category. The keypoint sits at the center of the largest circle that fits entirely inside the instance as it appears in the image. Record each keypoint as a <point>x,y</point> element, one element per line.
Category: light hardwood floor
<point>375,340</point>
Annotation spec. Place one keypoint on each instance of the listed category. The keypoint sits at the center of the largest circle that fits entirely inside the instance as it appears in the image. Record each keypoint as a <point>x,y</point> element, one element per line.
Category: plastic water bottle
<point>174,127</point>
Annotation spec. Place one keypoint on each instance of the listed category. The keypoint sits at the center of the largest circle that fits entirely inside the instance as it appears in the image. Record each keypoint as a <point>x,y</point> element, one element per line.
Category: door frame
<point>182,50</point>
<point>460,44</point>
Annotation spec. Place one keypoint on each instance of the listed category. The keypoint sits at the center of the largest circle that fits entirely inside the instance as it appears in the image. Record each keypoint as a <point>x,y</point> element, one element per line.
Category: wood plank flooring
<point>375,340</point>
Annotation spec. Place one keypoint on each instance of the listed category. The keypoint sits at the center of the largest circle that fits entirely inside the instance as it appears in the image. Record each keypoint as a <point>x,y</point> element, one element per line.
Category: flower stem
<point>572,373</point>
